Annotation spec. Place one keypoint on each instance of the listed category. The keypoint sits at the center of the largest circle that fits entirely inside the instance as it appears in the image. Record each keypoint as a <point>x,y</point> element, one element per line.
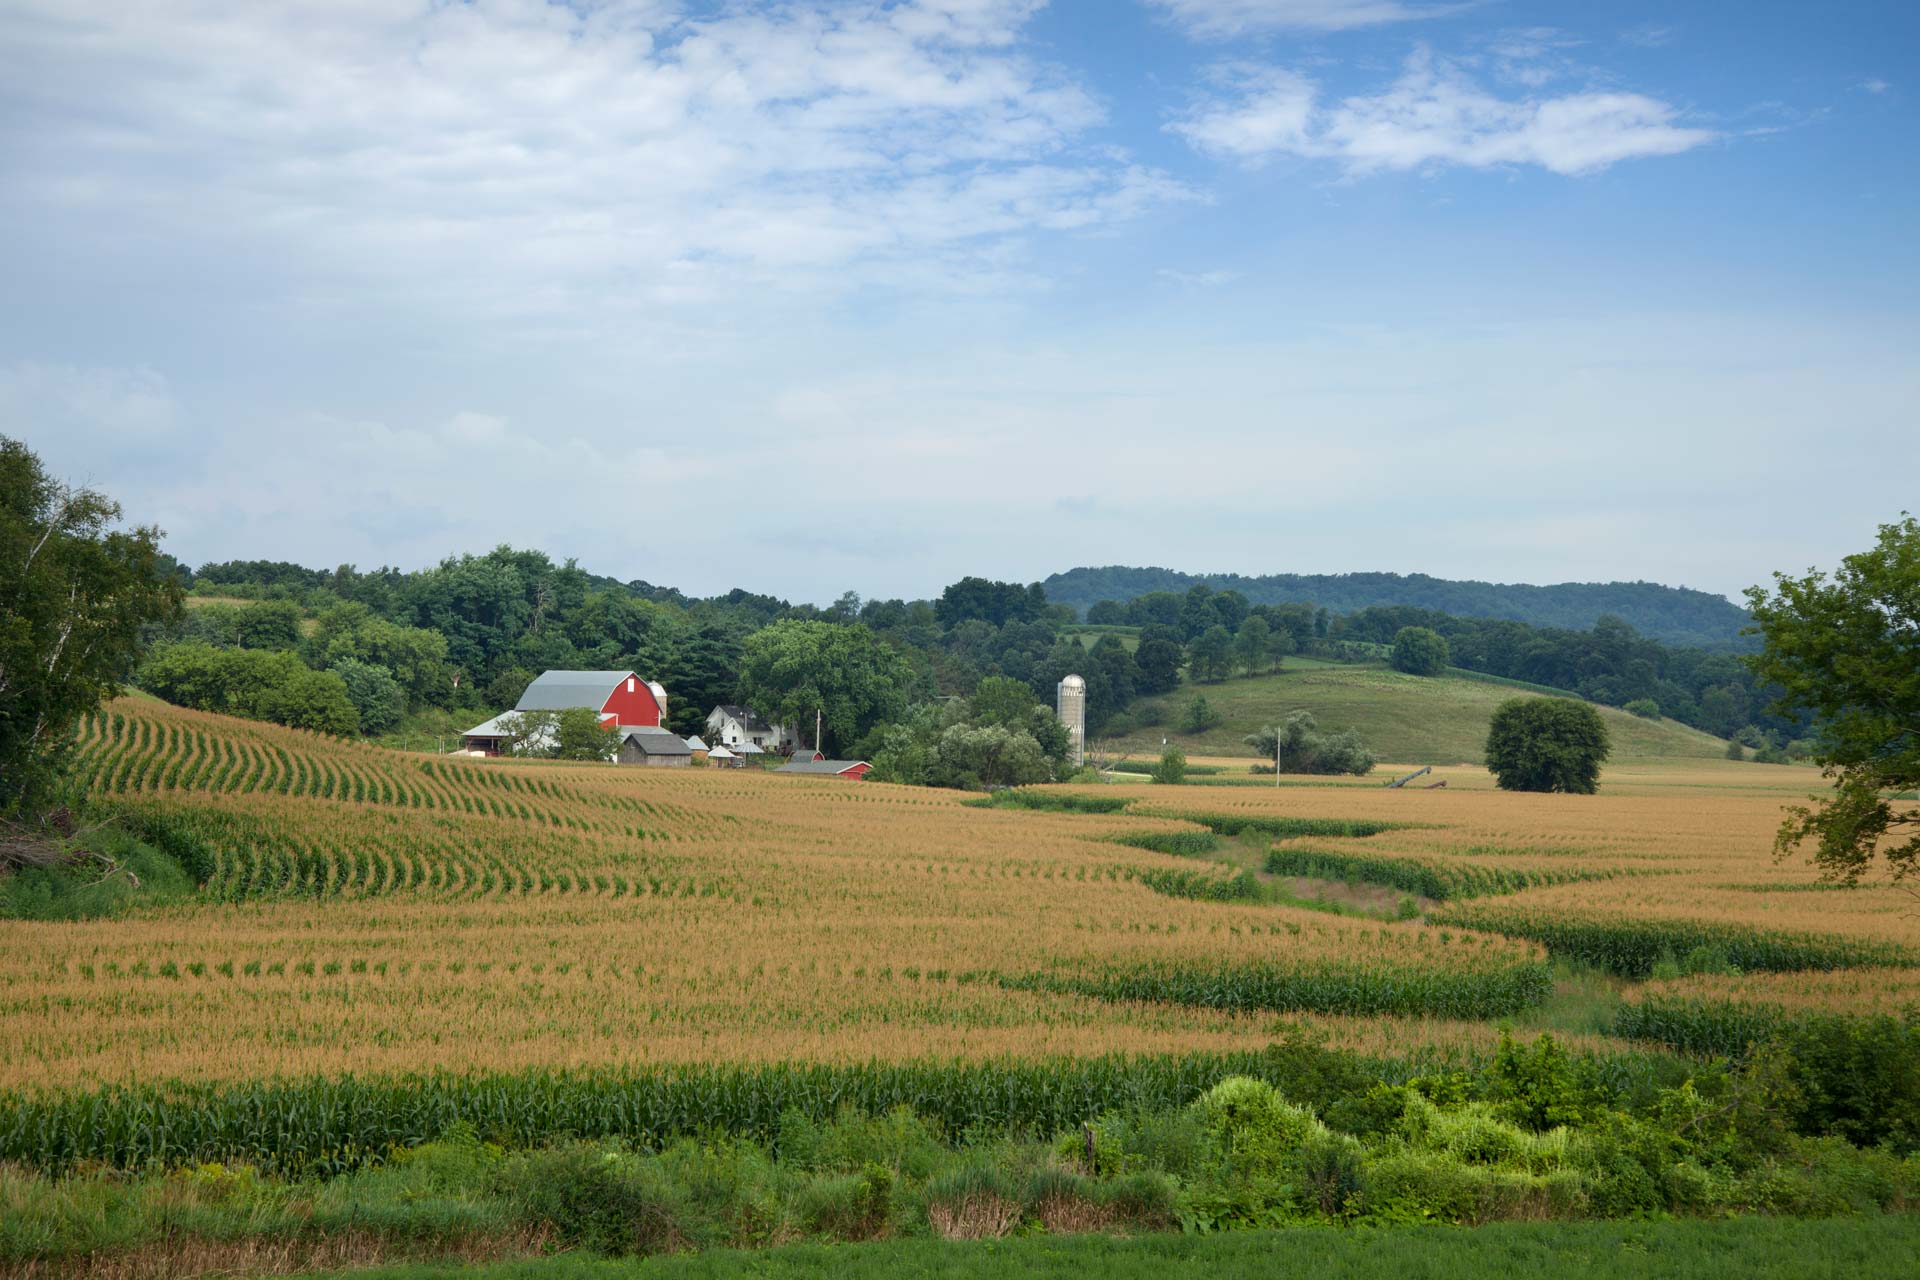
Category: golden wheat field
<point>369,910</point>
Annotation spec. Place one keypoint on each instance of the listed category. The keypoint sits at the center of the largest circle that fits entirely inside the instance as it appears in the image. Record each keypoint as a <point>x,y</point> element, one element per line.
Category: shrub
<point>853,1206</point>
<point>1546,744</point>
<point>1199,716</point>
<point>972,1202</point>
<point>1735,751</point>
<point>594,1198</point>
<point>1645,708</point>
<point>1298,746</point>
<point>1172,768</point>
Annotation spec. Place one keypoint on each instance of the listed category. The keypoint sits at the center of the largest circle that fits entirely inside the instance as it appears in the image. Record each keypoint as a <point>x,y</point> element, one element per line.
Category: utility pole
<point>816,731</point>
<point>1276,756</point>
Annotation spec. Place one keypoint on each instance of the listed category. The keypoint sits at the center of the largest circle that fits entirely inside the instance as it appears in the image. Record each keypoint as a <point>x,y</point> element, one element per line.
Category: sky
<point>826,295</point>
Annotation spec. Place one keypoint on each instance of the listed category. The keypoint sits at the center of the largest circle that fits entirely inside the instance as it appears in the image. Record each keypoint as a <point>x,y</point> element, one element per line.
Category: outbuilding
<point>653,747</point>
<point>821,767</point>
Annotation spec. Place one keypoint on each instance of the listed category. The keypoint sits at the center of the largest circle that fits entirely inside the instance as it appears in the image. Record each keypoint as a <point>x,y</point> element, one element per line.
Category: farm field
<point>1430,720</point>
<point>371,911</point>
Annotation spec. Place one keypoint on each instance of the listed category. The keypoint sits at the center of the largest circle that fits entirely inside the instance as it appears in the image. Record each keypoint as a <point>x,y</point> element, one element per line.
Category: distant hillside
<point>1405,719</point>
<point>1675,615</point>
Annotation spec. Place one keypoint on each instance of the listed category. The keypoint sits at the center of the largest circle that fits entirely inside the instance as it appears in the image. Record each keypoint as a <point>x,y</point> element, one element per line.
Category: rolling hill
<point>1673,615</point>
<point>1405,719</point>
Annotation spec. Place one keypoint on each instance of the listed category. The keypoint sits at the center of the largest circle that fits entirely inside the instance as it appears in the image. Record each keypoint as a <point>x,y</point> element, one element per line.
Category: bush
<point>1199,716</point>
<point>1172,768</point>
<point>1547,744</point>
<point>1735,751</point>
<point>594,1198</point>
<point>1420,651</point>
<point>1298,746</point>
<point>1645,708</point>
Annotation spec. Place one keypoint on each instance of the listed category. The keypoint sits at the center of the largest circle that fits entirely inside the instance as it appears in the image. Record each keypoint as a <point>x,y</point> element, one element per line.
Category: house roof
<point>749,719</point>
<point>820,766</point>
<point>558,690</point>
<point>696,744</point>
<point>749,749</point>
<point>655,742</point>
<point>490,728</point>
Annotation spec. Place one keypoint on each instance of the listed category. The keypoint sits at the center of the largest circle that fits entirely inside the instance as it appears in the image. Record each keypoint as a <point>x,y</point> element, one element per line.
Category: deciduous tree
<point>1845,651</point>
<point>75,591</point>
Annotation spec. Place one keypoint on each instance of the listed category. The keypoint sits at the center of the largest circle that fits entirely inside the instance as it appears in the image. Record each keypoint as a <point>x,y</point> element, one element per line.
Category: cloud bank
<point>1433,115</point>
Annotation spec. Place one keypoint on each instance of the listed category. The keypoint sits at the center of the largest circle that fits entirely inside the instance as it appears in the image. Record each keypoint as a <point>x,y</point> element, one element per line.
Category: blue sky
<point>826,295</point>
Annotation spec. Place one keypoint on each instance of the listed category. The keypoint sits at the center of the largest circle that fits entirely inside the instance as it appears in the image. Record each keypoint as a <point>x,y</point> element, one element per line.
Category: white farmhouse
<point>738,727</point>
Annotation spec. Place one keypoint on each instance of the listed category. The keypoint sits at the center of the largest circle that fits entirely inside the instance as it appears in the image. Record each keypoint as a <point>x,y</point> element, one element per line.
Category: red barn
<point>621,698</point>
<point>854,769</point>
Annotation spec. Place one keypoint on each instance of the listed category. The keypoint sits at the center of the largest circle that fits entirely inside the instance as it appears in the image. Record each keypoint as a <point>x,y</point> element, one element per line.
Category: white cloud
<point>1432,115</point>
<point>1198,279</point>
<point>519,157</point>
<point>128,407</point>
<point>1875,85</point>
<point>1226,19</point>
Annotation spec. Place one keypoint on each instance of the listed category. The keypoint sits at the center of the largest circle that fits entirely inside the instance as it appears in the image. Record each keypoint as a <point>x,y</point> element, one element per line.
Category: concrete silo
<point>1072,706</point>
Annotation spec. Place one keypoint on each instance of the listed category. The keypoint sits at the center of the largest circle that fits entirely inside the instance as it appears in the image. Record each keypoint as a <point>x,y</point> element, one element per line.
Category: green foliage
<point>1631,946</point>
<point>1847,652</point>
<point>1210,654</point>
<point>1182,844</point>
<point>1734,750</point>
<point>1547,744</point>
<point>1420,651</point>
<point>1438,880</point>
<point>1171,768</point>
<point>1298,746</point>
<point>793,668</point>
<point>105,874</point>
<point>258,684</point>
<point>325,1126</point>
<point>1282,828</point>
<point>975,757</point>
<point>573,733</point>
<point>375,694</point>
<point>1855,1076</point>
<point>75,593</point>
<point>1491,991</point>
<point>1055,801</point>
<point>1645,708</point>
<point>1199,716</point>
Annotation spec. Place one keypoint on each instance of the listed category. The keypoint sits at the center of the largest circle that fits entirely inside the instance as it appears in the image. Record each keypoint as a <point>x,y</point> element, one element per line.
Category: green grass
<point>1754,1248</point>
<point>1405,719</point>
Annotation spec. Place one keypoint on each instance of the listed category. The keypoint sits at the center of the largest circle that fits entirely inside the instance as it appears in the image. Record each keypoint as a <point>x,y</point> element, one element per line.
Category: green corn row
<point>1051,801</point>
<point>328,1126</point>
<point>1284,828</point>
<point>1728,1029</point>
<point>1200,885</point>
<point>1437,880</point>
<point>1181,844</point>
<point>1631,947</point>
<point>1494,992</point>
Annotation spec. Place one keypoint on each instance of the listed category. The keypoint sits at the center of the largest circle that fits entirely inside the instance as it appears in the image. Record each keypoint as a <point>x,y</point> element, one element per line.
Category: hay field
<point>365,910</point>
<point>1434,720</point>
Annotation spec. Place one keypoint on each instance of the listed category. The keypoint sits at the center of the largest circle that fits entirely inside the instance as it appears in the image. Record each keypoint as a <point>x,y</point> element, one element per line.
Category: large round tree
<point>1547,744</point>
<point>1420,651</point>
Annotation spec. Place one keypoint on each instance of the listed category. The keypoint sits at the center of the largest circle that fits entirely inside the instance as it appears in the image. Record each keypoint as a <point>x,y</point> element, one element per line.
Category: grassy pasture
<point>1848,1249</point>
<point>1433,720</point>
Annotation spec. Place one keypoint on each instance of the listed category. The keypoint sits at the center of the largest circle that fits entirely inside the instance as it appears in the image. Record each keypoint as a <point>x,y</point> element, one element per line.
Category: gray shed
<point>653,748</point>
